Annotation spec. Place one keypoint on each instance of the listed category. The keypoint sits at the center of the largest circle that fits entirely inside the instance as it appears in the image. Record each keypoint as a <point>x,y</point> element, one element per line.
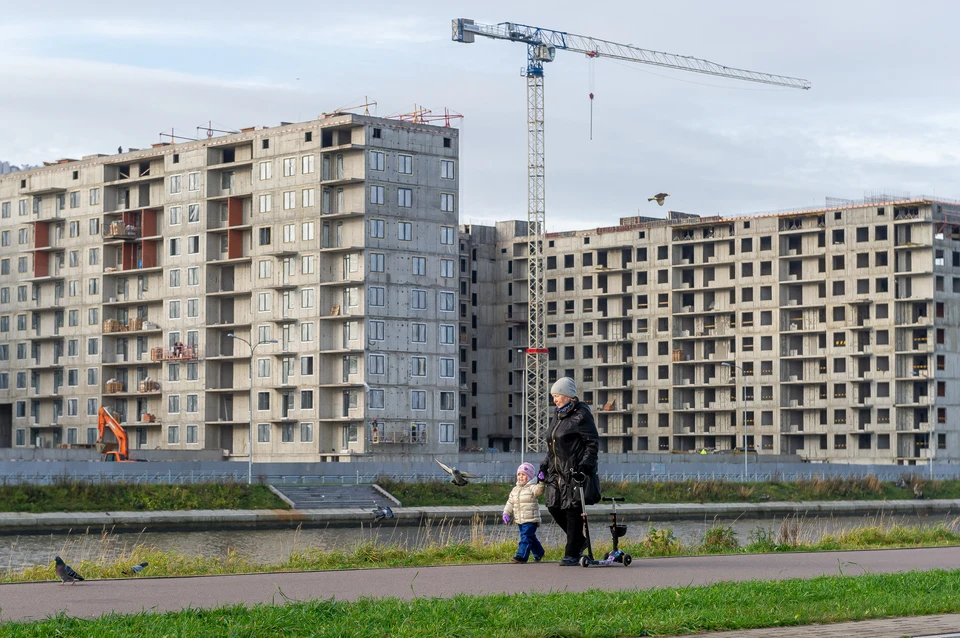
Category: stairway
<point>309,497</point>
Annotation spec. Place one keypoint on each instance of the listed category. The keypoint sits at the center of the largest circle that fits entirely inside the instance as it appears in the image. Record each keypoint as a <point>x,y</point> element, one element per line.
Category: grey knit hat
<point>565,386</point>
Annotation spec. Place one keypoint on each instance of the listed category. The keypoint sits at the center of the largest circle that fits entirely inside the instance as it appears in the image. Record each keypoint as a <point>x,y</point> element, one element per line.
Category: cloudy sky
<point>882,115</point>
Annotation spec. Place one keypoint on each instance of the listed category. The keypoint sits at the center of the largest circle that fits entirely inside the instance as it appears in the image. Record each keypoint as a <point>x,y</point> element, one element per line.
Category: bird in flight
<point>380,513</point>
<point>65,573</point>
<point>659,197</point>
<point>136,569</point>
<point>458,478</point>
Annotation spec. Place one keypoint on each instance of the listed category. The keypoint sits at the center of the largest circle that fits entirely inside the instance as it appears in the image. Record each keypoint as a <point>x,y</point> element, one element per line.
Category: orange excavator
<point>106,421</point>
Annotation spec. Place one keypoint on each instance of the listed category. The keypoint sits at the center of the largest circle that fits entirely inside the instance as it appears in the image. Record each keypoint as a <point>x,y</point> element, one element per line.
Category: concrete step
<point>332,496</point>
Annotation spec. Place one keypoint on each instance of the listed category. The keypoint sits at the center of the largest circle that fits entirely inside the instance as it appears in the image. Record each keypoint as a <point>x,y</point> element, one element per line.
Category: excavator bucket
<point>104,446</point>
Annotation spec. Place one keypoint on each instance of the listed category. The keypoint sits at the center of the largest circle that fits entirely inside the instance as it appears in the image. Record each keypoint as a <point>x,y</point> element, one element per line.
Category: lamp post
<point>523,412</point>
<point>742,416</point>
<point>253,349</point>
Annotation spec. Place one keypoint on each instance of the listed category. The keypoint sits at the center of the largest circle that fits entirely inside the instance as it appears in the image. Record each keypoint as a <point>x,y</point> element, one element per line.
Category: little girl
<point>523,505</point>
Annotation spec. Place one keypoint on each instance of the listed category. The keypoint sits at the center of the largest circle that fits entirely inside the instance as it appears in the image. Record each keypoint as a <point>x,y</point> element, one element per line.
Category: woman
<point>572,443</point>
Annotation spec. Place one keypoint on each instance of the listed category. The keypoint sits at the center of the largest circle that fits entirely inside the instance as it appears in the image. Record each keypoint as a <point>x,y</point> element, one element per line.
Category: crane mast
<point>542,45</point>
<point>536,406</point>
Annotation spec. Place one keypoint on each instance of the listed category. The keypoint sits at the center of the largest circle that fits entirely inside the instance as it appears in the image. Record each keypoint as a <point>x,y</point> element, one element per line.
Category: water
<point>274,546</point>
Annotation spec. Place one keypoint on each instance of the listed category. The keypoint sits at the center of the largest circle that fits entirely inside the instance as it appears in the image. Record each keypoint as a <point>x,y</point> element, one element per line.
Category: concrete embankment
<point>25,523</point>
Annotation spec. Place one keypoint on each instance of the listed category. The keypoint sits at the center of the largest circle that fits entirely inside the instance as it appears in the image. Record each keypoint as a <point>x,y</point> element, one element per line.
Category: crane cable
<point>591,79</point>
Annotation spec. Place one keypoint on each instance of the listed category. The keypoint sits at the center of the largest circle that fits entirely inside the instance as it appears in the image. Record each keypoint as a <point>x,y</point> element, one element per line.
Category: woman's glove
<point>506,519</point>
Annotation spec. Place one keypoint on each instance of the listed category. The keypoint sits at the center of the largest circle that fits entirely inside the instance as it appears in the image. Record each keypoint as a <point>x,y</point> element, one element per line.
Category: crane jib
<point>465,29</point>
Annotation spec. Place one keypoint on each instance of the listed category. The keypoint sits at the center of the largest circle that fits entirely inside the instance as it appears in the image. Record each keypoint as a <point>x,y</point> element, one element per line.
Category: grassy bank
<point>437,546</point>
<point>434,493</point>
<point>74,496</point>
<point>661,612</point>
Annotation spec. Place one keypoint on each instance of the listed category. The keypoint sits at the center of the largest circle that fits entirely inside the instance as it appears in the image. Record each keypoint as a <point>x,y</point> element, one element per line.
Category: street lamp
<point>253,349</point>
<point>523,412</point>
<point>743,415</point>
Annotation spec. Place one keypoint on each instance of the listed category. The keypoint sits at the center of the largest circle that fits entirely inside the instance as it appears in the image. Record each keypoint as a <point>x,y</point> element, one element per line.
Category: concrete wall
<point>493,467</point>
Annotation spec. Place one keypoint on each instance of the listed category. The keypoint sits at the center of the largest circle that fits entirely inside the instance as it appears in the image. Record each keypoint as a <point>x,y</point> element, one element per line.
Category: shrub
<point>720,539</point>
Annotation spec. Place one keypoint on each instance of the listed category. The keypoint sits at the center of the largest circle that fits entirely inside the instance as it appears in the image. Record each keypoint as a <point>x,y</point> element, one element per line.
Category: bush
<point>720,539</point>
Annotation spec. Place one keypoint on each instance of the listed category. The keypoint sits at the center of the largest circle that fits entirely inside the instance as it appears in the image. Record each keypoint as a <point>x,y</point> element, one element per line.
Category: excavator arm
<point>106,421</point>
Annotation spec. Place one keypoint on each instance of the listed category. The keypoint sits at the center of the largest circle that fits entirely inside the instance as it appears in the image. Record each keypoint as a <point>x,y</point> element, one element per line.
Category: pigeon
<point>458,478</point>
<point>380,513</point>
<point>659,197</point>
<point>136,569</point>
<point>65,573</point>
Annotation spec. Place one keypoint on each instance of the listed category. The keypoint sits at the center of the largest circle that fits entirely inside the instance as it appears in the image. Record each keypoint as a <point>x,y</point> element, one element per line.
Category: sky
<point>883,116</point>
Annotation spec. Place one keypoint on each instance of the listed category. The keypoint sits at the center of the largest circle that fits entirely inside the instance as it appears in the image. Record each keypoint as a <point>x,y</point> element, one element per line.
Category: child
<point>523,505</point>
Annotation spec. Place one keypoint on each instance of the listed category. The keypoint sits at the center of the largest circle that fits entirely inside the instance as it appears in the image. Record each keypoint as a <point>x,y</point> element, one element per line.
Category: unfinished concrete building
<point>380,326</point>
<point>831,334</point>
<point>328,246</point>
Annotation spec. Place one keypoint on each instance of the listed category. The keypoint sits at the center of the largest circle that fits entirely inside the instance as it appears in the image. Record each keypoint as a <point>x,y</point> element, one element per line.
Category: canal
<point>275,545</point>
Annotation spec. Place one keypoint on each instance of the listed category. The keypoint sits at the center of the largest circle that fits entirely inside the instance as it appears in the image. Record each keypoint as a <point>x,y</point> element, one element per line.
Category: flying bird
<point>65,573</point>
<point>458,478</point>
<point>659,197</point>
<point>136,569</point>
<point>380,513</point>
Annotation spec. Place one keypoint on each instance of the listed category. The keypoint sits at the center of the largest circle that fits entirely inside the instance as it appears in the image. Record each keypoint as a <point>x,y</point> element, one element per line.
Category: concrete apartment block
<point>122,278</point>
<point>841,323</point>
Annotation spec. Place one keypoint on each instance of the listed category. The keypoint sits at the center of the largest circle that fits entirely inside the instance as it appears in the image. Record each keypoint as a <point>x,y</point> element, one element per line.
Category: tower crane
<point>542,45</point>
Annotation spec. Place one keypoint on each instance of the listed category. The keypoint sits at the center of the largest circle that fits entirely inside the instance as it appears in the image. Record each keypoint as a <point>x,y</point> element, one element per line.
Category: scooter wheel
<point>584,561</point>
<point>606,555</point>
<point>627,559</point>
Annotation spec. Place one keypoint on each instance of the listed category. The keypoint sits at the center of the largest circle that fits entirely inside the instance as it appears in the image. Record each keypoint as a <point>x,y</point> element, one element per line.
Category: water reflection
<point>274,546</point>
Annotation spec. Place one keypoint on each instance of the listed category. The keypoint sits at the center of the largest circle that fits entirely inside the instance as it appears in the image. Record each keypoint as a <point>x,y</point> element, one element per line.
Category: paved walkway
<point>36,601</point>
<point>944,626</point>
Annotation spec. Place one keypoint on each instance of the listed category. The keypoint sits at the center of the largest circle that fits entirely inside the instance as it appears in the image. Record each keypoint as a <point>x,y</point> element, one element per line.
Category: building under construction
<point>294,285</point>
<point>831,334</point>
<point>308,286</point>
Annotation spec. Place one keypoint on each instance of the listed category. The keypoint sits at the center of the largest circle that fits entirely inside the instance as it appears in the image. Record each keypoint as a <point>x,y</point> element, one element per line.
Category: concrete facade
<point>829,334</point>
<point>122,278</point>
<point>841,323</point>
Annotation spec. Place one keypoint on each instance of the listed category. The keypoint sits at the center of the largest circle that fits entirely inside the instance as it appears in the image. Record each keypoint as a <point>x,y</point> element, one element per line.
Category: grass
<point>72,496</point>
<point>75,496</point>
<point>437,546</point>
<point>657,612</point>
<point>634,613</point>
<point>439,493</point>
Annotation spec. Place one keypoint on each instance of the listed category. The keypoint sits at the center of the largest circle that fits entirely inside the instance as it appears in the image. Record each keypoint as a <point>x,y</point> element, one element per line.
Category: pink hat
<point>528,469</point>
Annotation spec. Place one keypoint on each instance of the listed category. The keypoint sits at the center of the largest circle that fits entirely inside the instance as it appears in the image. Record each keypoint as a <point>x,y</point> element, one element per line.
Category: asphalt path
<point>36,601</point>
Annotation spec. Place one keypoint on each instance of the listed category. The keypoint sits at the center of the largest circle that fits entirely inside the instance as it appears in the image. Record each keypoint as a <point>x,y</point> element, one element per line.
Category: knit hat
<point>528,469</point>
<point>565,386</point>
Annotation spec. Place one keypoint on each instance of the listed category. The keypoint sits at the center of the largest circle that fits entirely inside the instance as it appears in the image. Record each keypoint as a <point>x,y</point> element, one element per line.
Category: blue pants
<point>529,541</point>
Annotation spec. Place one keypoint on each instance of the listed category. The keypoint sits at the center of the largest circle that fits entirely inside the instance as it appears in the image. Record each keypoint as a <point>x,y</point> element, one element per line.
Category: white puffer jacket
<point>523,504</point>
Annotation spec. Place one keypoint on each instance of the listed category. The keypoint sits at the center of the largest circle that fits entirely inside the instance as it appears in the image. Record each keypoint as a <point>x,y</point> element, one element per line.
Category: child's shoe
<point>517,559</point>
<point>537,559</point>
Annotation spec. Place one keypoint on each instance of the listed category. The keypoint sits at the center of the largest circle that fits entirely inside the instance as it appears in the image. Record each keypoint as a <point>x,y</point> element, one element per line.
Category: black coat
<point>572,445</point>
